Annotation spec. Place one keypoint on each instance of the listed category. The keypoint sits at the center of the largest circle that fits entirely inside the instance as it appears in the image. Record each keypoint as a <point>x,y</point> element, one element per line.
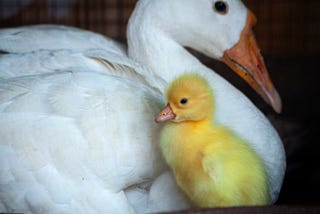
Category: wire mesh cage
<point>287,26</point>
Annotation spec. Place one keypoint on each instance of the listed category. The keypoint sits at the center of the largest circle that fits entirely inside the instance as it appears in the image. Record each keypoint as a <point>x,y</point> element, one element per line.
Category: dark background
<point>288,32</point>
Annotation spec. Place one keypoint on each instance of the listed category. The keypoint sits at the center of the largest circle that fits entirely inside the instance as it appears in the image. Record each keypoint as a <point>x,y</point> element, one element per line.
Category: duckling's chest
<point>183,147</point>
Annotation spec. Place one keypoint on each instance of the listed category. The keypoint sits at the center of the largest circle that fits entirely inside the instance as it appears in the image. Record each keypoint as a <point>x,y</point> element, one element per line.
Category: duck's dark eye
<point>221,7</point>
<point>184,101</point>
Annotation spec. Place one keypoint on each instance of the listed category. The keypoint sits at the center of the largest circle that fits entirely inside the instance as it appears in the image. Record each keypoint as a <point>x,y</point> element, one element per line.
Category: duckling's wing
<point>210,165</point>
<point>227,156</point>
<point>236,170</point>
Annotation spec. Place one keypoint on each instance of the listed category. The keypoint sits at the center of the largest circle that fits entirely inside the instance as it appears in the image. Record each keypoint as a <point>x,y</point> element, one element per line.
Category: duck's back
<point>54,37</point>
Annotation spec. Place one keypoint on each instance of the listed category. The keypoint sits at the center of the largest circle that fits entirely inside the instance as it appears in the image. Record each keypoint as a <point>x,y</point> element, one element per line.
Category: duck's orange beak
<point>245,59</point>
<point>165,114</point>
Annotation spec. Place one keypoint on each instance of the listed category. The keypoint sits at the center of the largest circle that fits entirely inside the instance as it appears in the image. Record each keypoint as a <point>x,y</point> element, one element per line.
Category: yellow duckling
<point>211,164</point>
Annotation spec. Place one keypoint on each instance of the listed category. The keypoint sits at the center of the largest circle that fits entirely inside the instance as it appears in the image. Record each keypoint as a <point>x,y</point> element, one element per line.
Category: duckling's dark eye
<point>221,7</point>
<point>184,101</point>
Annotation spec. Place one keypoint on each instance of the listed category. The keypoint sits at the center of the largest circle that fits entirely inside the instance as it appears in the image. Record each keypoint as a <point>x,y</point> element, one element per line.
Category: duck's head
<point>189,98</point>
<point>221,29</point>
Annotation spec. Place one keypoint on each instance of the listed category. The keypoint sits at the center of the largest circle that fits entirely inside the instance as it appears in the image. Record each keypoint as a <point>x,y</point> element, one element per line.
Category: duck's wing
<point>75,136</point>
<point>53,37</point>
<point>90,60</point>
<point>45,172</point>
<point>45,61</point>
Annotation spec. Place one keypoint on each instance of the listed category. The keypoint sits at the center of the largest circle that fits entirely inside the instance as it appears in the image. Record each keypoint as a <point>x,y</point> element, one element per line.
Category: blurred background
<point>288,32</point>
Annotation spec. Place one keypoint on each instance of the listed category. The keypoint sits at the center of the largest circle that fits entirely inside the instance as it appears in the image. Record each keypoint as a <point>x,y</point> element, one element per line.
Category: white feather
<point>51,37</point>
<point>77,130</point>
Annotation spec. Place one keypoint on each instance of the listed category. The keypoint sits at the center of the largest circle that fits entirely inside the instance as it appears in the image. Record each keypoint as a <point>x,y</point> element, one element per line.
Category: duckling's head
<point>189,98</point>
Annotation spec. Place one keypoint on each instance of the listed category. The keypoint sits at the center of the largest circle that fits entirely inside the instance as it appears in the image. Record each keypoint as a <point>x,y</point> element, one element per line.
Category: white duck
<point>81,141</point>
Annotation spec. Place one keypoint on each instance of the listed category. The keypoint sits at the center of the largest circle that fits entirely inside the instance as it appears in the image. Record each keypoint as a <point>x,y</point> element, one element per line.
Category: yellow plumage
<point>211,164</point>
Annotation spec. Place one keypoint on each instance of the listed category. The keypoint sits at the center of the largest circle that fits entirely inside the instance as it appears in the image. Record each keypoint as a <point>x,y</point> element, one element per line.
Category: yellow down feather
<point>211,164</point>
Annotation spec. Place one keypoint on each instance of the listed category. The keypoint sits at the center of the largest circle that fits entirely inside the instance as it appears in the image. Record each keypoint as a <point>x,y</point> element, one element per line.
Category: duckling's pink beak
<point>165,114</point>
<point>245,59</point>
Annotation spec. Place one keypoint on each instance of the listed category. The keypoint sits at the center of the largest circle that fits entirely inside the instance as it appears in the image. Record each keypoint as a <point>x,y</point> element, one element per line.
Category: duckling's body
<point>212,165</point>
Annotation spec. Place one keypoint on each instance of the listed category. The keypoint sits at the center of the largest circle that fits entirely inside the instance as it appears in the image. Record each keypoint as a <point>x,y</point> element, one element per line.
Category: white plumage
<point>54,37</point>
<point>76,123</point>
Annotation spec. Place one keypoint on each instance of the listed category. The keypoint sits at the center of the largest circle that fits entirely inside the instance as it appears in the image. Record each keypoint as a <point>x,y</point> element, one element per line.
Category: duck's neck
<point>153,46</point>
